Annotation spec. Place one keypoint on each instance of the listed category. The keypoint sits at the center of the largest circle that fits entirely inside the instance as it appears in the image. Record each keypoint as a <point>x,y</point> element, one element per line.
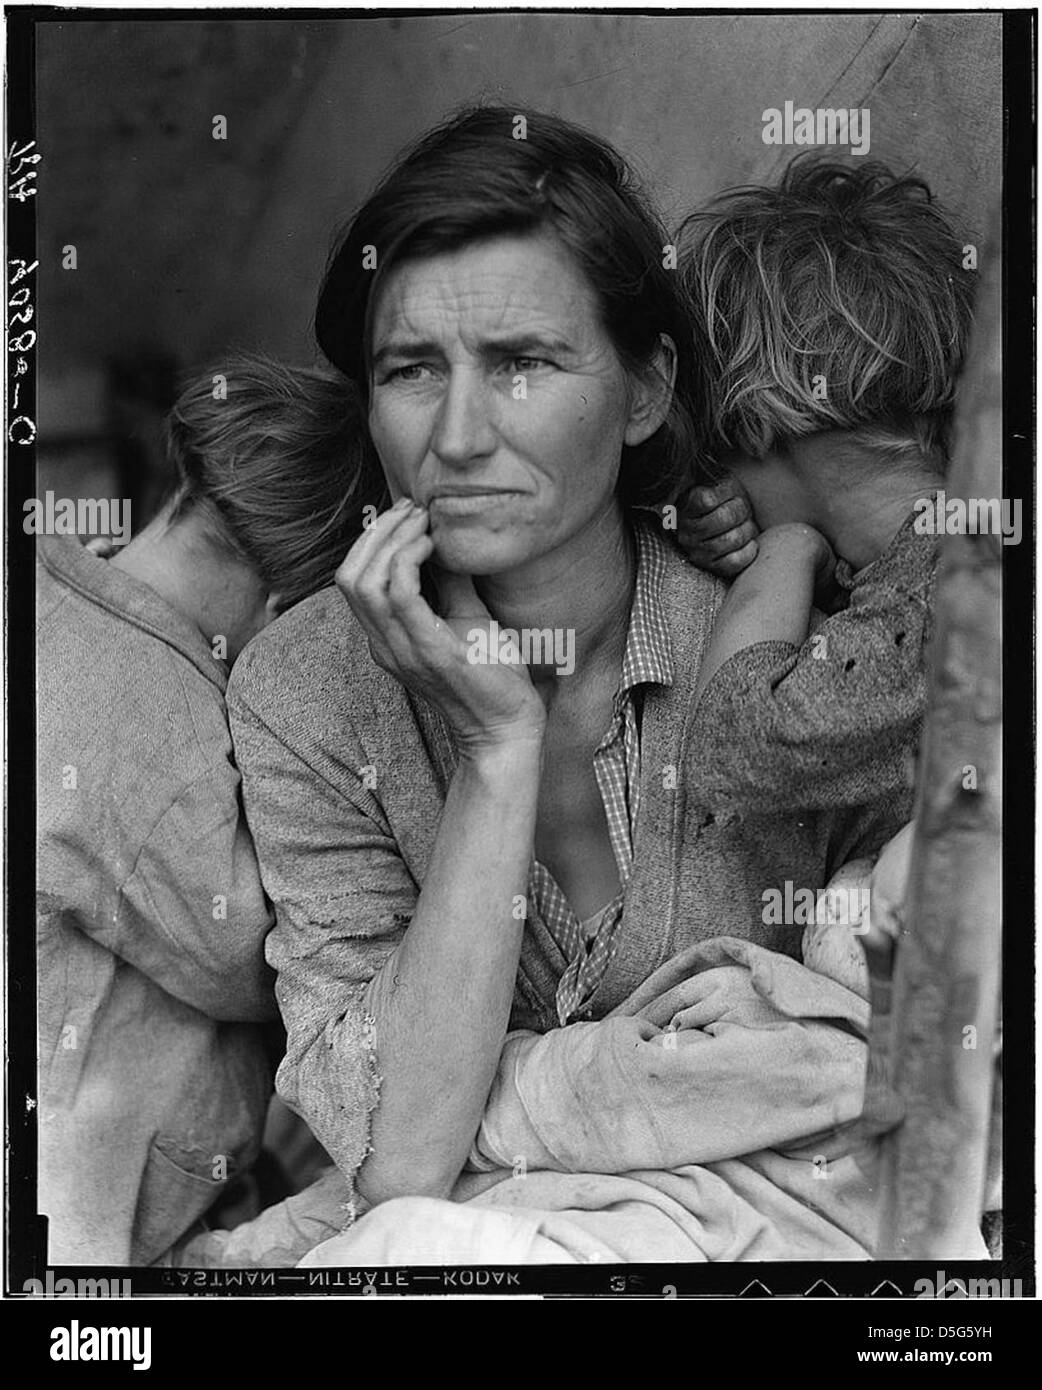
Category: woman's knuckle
<point>369,589</point>
<point>398,568</point>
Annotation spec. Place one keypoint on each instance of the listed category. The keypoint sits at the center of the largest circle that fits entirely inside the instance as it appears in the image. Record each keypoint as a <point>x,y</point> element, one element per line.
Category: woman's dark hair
<point>493,171</point>
<point>279,462</point>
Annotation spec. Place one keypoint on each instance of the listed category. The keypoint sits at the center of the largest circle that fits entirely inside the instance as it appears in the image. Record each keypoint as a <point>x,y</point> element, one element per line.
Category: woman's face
<point>498,400</point>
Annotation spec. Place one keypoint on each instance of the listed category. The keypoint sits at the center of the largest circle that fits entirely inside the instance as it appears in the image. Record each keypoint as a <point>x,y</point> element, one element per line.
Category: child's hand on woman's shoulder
<point>718,531</point>
<point>716,527</point>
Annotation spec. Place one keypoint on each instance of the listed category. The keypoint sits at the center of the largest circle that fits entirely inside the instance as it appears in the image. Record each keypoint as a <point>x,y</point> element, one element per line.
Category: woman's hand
<point>442,999</point>
<point>716,528</point>
<point>486,705</point>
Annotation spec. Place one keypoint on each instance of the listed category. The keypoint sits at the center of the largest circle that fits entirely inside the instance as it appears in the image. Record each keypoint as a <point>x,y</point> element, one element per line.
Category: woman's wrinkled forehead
<point>498,287</point>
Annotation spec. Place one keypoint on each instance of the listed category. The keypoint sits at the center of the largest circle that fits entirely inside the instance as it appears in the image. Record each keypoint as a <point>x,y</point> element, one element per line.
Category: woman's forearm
<point>442,1002</point>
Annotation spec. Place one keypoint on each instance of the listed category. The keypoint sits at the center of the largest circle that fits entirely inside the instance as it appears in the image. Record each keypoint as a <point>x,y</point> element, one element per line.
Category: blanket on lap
<point>710,1117</point>
<point>715,1116</point>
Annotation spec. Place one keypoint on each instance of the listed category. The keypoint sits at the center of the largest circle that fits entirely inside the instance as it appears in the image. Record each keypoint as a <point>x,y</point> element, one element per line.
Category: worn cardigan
<point>344,779</point>
<point>838,719</point>
<point>152,983</point>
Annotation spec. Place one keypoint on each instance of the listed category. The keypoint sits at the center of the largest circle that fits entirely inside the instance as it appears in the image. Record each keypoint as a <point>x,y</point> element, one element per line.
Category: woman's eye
<point>408,371</point>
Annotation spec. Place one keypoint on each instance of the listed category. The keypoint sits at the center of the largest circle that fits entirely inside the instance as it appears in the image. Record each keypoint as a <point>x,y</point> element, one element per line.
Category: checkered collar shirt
<point>588,947</point>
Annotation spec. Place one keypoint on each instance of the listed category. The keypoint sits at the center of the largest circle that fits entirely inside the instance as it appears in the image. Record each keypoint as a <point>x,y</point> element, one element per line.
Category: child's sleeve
<point>834,723</point>
<point>192,914</point>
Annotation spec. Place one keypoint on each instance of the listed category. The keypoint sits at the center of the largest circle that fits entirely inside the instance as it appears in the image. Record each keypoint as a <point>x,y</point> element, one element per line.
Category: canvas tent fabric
<point>190,244</point>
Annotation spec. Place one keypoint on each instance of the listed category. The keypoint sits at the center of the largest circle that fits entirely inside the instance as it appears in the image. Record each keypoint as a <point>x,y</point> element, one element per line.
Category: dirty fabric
<point>715,1116</point>
<point>153,989</point>
<point>345,776</point>
<point>836,721</point>
<point>708,1118</point>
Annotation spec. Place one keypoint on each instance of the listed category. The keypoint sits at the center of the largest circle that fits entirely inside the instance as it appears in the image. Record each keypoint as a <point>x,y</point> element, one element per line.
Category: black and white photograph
<point>520,602</point>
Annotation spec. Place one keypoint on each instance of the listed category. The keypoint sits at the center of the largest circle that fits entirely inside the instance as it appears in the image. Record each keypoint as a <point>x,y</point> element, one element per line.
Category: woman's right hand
<point>487,705</point>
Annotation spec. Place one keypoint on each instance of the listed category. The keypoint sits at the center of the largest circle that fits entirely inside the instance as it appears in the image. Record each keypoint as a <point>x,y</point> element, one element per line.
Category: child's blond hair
<point>836,300</point>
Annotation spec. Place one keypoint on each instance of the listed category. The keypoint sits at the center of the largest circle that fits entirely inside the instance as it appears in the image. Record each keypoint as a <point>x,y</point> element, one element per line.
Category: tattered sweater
<point>152,987</point>
<point>789,765</point>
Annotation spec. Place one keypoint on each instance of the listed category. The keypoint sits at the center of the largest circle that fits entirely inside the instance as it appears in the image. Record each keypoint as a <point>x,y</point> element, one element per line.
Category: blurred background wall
<point>188,246</point>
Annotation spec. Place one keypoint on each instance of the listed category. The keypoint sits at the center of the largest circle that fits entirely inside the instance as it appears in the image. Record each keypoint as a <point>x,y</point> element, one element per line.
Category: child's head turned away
<point>278,462</point>
<point>833,301</point>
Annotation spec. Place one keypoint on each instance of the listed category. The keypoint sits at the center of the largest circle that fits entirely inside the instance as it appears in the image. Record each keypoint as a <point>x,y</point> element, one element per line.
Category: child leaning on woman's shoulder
<point>836,311</point>
<point>155,1076</point>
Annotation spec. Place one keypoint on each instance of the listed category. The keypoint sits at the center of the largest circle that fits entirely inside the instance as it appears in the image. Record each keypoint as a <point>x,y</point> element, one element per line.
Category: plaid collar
<point>649,652</point>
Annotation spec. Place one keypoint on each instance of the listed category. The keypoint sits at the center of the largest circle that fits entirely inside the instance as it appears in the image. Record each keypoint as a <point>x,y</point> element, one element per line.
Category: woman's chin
<point>472,551</point>
<point>469,559</point>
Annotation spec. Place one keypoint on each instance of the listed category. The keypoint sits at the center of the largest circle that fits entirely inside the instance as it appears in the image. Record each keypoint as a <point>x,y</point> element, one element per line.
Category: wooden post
<point>946,978</point>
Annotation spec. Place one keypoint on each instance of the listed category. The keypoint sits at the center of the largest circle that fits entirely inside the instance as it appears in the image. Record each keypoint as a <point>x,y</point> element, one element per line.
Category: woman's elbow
<point>382,1180</point>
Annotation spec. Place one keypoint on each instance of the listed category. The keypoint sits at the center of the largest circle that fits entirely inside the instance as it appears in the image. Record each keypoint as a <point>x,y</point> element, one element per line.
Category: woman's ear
<point>652,393</point>
<point>273,606</point>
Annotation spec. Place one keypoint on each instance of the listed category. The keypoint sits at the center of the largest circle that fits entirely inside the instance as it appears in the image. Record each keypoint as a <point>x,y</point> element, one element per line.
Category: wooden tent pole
<point>946,977</point>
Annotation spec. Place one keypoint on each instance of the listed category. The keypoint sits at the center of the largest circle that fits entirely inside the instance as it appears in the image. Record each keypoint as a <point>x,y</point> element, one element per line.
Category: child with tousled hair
<point>836,309</point>
<point>153,989</point>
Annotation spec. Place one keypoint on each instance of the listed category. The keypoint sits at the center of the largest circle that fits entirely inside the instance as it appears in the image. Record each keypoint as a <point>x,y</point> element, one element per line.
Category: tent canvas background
<point>188,247</point>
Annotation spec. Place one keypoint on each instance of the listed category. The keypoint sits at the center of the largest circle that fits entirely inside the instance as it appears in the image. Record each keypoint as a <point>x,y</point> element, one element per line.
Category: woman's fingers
<point>457,597</point>
<point>380,578</point>
<point>373,539</point>
<point>365,575</point>
<point>386,594</point>
<point>403,567</point>
<point>407,612</point>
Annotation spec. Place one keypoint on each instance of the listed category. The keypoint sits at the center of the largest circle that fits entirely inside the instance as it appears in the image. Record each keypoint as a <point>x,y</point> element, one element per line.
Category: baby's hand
<point>887,897</point>
<point>716,528</point>
<point>101,545</point>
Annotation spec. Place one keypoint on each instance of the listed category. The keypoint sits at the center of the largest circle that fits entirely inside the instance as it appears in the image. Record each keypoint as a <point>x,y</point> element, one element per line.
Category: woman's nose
<point>465,428</point>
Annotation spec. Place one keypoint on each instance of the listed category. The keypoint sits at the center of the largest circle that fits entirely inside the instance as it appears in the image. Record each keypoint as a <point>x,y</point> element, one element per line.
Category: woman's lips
<point>469,503</point>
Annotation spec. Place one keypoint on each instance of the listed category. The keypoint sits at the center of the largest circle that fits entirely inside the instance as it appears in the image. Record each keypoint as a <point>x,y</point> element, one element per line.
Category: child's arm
<point>829,722</point>
<point>771,599</point>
